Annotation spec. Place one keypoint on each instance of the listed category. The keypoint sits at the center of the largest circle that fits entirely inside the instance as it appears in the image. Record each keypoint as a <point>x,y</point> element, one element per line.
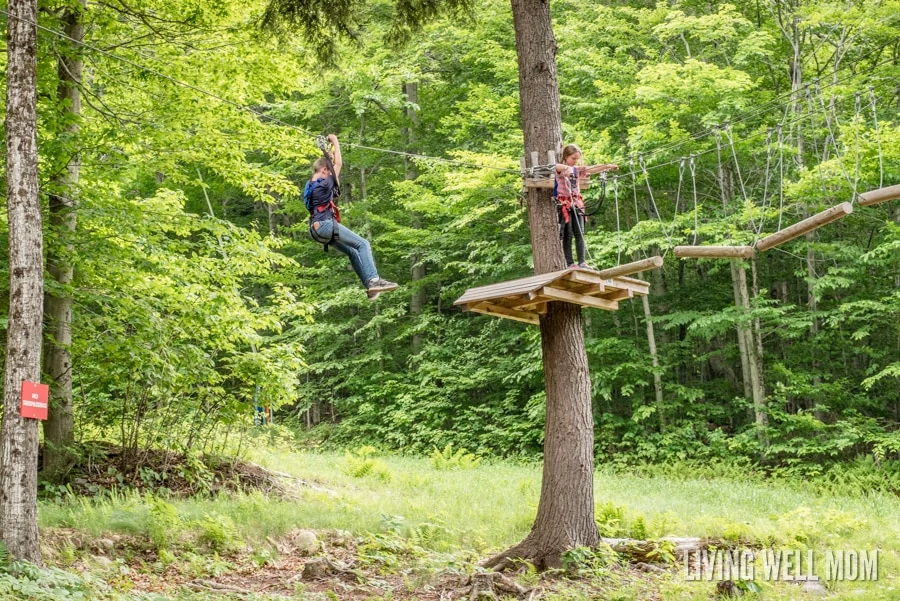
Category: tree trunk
<point>59,429</point>
<point>565,515</point>
<point>18,436</point>
<point>758,393</point>
<point>417,299</point>
<point>657,379</point>
<point>741,335</point>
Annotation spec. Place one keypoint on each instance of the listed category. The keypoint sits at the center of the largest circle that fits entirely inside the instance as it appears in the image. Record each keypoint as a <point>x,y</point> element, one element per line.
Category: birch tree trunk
<point>59,429</point>
<point>757,385</point>
<point>565,515</point>
<point>18,436</point>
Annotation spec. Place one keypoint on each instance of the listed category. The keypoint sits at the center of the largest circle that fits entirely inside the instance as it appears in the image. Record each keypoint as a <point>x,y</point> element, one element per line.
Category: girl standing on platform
<point>567,194</point>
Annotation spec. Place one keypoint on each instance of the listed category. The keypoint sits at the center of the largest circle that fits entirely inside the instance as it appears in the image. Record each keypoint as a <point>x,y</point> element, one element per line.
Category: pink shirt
<point>567,183</point>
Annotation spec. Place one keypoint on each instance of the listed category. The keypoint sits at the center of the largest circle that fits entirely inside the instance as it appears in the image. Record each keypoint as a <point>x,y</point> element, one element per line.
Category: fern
<point>450,460</point>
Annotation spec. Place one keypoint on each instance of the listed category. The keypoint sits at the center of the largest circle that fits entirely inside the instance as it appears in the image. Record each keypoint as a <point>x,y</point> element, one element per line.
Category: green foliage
<point>360,463</point>
<point>585,561</point>
<point>197,293</point>
<point>164,525</point>
<point>450,460</point>
<point>217,532</point>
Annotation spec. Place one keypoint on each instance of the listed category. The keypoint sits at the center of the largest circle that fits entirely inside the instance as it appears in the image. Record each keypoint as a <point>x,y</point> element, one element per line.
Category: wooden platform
<point>526,299</point>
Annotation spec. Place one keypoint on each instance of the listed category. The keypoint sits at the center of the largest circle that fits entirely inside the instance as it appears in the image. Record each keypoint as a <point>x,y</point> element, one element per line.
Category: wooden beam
<point>619,295</point>
<point>807,225</point>
<point>629,268</point>
<point>718,252</point>
<point>874,197</point>
<point>580,286</point>
<point>538,183</point>
<point>513,314</point>
<point>578,299</point>
<point>640,287</point>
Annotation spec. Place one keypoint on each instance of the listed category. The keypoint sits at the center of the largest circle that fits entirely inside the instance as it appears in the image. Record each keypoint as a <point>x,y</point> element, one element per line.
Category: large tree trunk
<point>565,517</point>
<point>60,427</point>
<point>18,436</point>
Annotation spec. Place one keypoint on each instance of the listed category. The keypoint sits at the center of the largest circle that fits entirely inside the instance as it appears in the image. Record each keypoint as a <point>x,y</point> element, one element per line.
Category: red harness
<point>334,209</point>
<point>566,203</point>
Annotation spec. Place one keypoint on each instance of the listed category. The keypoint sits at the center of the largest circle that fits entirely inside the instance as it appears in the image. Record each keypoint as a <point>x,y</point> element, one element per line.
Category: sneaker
<point>380,285</point>
<point>583,265</point>
<point>373,294</point>
<point>570,266</point>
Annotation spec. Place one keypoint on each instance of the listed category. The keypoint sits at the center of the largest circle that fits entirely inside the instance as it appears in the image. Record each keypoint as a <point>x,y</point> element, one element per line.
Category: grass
<point>491,506</point>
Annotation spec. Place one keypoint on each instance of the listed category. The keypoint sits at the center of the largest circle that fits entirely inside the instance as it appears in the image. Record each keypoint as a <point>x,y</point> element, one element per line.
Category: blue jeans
<point>354,246</point>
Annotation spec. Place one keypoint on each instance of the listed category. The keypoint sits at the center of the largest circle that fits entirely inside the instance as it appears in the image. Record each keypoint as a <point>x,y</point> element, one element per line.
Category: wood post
<point>537,182</point>
<point>629,268</point>
<point>714,252</point>
<point>874,197</point>
<point>807,225</point>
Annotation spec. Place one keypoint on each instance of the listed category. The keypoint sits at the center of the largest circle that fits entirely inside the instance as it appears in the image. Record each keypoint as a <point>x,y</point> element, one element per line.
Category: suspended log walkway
<point>874,197</point>
<point>526,299</point>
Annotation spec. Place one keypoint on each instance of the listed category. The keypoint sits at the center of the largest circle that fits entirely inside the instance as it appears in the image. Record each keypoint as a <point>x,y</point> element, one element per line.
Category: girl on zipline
<point>567,194</point>
<point>325,221</point>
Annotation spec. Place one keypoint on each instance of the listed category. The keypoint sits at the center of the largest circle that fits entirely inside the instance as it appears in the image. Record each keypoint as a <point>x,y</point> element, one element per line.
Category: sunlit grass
<point>493,505</point>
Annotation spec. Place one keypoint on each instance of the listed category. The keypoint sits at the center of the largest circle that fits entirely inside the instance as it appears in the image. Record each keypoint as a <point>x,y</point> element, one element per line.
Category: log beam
<point>629,268</point>
<point>713,252</point>
<point>807,225</point>
<point>874,197</point>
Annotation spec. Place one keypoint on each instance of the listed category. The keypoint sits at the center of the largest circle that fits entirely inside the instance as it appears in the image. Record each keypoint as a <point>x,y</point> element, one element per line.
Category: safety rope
<point>662,225</point>
<point>618,224</point>
<point>766,179</point>
<point>877,137</point>
<point>696,207</point>
<point>831,136</point>
<point>781,175</point>
<point>856,126</point>
<point>737,168</point>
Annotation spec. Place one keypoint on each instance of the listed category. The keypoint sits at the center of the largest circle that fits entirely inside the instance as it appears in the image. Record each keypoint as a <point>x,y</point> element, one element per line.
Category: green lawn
<point>485,509</point>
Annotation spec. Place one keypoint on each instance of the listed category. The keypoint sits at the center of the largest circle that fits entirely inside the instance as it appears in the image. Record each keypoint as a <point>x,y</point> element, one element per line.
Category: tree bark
<point>657,379</point>
<point>565,516</point>
<point>59,429</point>
<point>758,392</point>
<point>18,436</point>
<point>417,299</point>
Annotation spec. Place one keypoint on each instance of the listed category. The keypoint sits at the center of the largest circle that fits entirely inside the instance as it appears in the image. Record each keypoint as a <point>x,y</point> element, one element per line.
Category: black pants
<point>573,229</point>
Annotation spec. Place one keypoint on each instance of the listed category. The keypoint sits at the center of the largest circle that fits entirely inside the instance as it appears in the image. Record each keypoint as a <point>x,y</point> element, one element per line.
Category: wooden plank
<point>531,304</point>
<point>534,159</point>
<point>874,197</point>
<point>489,309</point>
<point>807,225</point>
<point>639,287</point>
<point>593,277</point>
<point>538,183</point>
<point>580,287</point>
<point>578,299</point>
<point>508,288</point>
<point>629,268</point>
<point>618,295</point>
<point>717,252</point>
<point>584,276</point>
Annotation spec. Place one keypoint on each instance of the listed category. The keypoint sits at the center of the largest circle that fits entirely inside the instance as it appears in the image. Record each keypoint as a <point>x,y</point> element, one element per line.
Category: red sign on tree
<point>34,400</point>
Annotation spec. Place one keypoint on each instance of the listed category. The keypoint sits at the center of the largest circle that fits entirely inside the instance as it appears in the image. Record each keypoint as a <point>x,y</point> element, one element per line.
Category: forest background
<point>197,293</point>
